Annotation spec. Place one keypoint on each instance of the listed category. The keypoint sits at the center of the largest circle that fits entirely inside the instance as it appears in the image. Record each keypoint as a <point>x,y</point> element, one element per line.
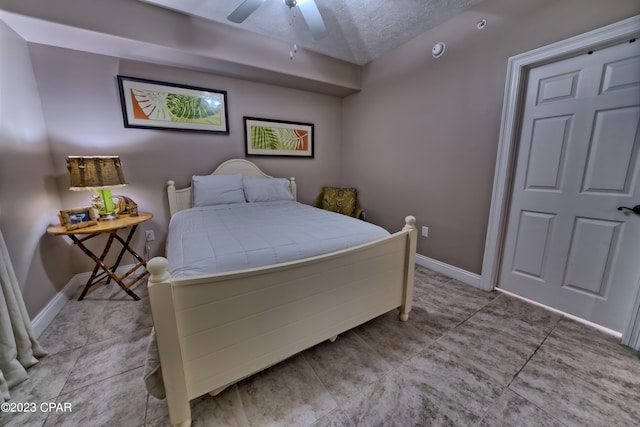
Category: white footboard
<point>216,330</point>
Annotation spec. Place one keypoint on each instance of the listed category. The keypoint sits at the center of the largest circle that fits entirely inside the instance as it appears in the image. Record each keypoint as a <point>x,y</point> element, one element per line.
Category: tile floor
<point>465,357</point>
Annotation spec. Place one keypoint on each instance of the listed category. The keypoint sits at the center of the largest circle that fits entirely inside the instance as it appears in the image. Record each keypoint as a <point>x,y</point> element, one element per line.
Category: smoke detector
<point>438,49</point>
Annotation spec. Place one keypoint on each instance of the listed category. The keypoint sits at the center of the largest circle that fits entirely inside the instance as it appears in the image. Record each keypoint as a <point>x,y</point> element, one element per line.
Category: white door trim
<point>631,336</point>
<point>515,90</point>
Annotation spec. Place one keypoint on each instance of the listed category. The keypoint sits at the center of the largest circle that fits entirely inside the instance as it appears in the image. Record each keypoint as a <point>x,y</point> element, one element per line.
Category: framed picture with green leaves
<point>152,104</point>
<point>266,137</point>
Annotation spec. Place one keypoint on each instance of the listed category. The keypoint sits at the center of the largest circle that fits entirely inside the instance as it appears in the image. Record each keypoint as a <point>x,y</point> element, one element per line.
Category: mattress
<point>223,238</point>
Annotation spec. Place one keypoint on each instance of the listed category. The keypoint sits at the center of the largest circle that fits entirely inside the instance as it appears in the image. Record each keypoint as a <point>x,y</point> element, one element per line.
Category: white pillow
<point>267,189</point>
<point>209,190</point>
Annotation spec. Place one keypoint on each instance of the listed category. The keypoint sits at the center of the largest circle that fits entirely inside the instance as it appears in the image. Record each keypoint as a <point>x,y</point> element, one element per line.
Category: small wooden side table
<point>111,227</point>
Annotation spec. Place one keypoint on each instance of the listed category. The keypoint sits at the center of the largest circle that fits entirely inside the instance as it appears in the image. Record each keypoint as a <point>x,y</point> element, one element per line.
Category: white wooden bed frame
<point>213,331</point>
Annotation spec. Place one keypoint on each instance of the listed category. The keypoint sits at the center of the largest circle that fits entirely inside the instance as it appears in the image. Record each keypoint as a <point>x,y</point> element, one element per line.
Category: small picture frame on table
<point>73,219</point>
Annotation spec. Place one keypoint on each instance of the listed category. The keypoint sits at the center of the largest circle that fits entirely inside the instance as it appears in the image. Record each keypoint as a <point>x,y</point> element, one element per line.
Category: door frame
<point>515,91</point>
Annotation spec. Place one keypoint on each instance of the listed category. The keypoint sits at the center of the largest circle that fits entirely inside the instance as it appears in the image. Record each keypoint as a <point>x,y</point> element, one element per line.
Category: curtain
<point>19,349</point>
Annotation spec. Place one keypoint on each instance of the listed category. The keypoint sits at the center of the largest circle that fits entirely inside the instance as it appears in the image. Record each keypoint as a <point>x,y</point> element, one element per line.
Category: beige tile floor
<point>465,358</point>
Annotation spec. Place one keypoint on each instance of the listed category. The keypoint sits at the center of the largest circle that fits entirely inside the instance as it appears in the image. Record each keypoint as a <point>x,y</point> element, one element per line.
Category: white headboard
<point>181,199</point>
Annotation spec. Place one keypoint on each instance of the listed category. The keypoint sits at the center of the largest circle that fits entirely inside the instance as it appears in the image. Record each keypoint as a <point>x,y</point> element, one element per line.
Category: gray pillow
<point>267,189</point>
<point>209,190</point>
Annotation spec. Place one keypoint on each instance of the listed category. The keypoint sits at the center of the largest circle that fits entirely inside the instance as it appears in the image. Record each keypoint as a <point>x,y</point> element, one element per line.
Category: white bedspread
<point>224,238</point>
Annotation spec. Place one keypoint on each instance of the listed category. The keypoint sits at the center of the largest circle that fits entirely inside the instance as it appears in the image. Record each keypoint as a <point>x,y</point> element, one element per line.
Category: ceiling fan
<point>308,8</point>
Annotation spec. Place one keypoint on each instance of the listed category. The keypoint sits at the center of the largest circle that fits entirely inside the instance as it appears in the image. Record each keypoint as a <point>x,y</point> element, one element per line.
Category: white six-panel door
<point>566,243</point>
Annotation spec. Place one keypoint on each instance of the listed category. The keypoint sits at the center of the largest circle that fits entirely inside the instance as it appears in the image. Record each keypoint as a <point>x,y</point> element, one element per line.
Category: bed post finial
<point>410,222</point>
<point>158,269</point>
<point>171,193</point>
<point>293,187</point>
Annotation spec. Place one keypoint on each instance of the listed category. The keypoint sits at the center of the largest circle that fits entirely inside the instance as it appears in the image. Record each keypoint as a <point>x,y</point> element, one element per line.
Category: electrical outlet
<point>425,231</point>
<point>149,235</point>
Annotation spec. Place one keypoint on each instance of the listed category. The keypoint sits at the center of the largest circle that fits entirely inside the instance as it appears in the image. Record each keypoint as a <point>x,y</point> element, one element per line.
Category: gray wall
<point>28,195</point>
<point>83,116</point>
<point>421,137</point>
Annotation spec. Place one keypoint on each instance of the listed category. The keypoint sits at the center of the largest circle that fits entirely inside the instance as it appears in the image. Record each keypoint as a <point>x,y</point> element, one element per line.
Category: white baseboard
<point>51,310</point>
<point>463,276</point>
<point>570,316</point>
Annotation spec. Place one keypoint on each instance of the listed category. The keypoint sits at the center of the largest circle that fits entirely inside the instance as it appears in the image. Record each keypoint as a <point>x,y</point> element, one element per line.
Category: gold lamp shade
<point>95,172</point>
<point>98,173</point>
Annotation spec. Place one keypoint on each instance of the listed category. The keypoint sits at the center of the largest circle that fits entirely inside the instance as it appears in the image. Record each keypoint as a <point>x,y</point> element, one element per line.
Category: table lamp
<point>97,173</point>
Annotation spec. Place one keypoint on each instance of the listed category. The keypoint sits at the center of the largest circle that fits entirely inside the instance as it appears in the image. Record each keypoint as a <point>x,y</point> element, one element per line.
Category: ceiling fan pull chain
<point>292,23</point>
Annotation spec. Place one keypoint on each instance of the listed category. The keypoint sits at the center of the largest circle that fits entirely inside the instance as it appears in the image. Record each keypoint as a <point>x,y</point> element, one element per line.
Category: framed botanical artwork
<point>152,104</point>
<point>265,137</point>
<point>73,219</point>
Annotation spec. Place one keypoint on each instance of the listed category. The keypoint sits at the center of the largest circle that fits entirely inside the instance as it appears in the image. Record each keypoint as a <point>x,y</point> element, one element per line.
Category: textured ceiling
<point>359,30</point>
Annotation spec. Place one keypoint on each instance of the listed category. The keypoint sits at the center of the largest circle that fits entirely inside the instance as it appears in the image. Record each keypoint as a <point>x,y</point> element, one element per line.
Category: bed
<point>224,316</point>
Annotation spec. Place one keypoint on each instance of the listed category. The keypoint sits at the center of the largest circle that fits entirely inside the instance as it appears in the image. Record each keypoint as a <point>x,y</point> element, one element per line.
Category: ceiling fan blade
<point>313,18</point>
<point>243,11</point>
